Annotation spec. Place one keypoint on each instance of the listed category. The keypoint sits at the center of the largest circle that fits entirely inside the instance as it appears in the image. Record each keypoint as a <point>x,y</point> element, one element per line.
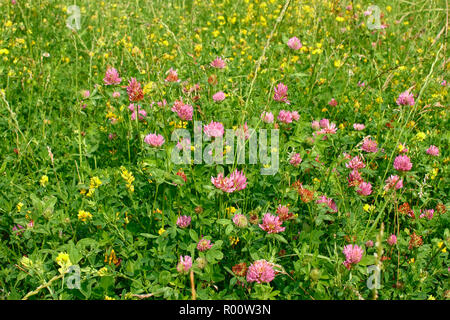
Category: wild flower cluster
<point>90,118</point>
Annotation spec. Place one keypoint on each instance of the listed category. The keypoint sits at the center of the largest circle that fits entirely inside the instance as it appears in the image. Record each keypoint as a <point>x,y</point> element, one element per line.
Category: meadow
<point>347,103</point>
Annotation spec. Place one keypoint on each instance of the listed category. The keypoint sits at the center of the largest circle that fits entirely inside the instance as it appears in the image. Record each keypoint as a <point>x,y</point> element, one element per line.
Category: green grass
<point>44,131</point>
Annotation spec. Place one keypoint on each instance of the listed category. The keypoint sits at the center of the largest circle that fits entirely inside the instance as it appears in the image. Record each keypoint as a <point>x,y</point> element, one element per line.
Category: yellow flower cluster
<point>84,215</point>
<point>233,240</point>
<point>148,88</point>
<point>421,136</point>
<point>127,218</point>
<point>198,49</point>
<point>111,258</point>
<point>401,147</point>
<point>63,260</point>
<point>227,149</point>
<point>230,210</point>
<point>128,177</point>
<point>111,115</point>
<point>338,63</point>
<point>434,173</point>
<point>411,124</point>
<point>94,183</point>
<point>43,181</point>
<point>26,262</point>
<point>102,272</point>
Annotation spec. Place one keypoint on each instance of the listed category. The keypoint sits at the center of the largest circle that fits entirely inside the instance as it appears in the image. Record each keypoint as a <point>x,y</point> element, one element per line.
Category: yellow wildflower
<point>102,272</point>
<point>84,215</point>
<point>421,136</point>
<point>230,210</point>
<point>338,63</point>
<point>234,240</point>
<point>90,192</point>
<point>198,49</point>
<point>148,88</point>
<point>111,257</point>
<point>95,182</point>
<point>411,124</point>
<point>63,260</point>
<point>128,177</point>
<point>26,262</point>
<point>440,244</point>
<point>44,180</point>
<point>434,173</point>
<point>400,147</point>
